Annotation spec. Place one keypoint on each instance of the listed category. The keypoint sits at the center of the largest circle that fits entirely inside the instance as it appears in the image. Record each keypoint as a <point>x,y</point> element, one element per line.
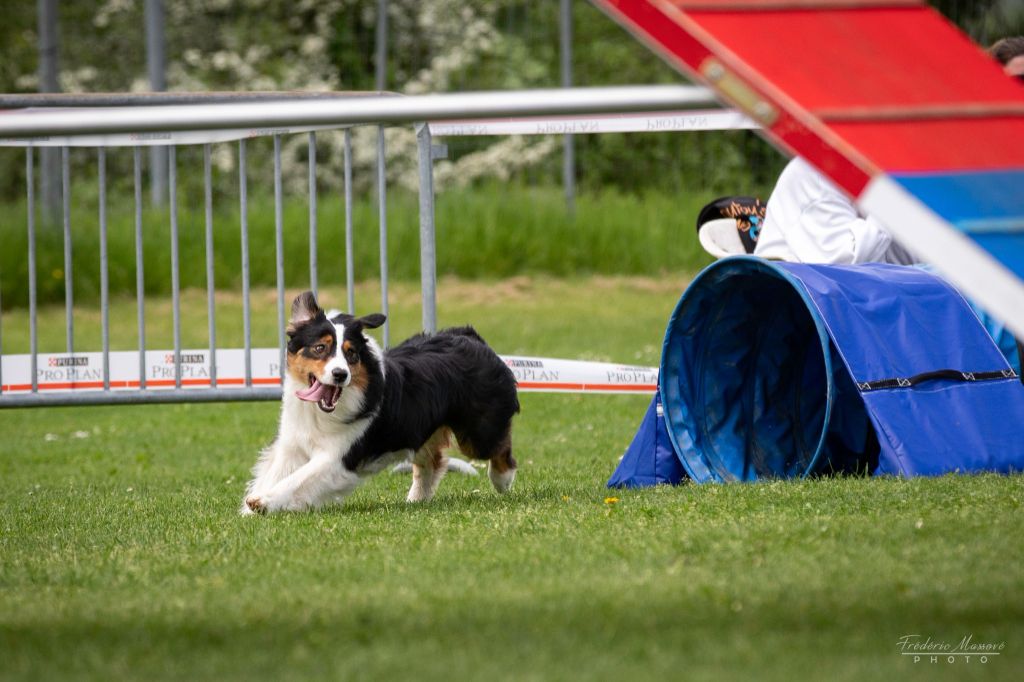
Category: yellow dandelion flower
<point>611,500</point>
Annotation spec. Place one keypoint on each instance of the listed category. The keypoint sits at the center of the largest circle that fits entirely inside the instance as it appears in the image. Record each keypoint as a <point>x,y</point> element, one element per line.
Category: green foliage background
<point>265,44</point>
<point>638,193</point>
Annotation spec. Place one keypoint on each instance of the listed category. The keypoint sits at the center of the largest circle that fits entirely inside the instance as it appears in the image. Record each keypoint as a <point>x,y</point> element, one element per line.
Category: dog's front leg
<point>324,477</point>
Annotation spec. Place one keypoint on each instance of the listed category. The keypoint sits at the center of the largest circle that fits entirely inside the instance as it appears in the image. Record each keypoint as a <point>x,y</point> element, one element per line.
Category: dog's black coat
<point>448,379</point>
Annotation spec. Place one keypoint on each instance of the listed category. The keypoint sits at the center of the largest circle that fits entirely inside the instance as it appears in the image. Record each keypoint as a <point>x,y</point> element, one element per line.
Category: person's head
<point>1010,53</point>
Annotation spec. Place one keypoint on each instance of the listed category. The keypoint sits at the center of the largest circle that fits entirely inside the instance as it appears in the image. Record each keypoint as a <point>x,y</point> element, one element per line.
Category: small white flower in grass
<point>81,434</point>
<point>919,524</point>
<point>50,437</point>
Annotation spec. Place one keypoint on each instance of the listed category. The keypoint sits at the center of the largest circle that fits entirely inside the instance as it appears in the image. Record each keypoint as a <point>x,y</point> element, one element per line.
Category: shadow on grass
<point>582,631</point>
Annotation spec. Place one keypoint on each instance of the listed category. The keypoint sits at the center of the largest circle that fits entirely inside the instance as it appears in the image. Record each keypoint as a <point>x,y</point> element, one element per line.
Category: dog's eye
<point>319,348</point>
<point>351,356</point>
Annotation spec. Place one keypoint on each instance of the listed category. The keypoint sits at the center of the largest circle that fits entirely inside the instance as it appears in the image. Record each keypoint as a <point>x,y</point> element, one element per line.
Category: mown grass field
<point>122,555</point>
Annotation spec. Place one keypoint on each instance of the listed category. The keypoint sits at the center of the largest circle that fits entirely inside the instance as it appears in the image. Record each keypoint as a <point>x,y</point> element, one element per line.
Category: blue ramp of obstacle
<point>988,206</point>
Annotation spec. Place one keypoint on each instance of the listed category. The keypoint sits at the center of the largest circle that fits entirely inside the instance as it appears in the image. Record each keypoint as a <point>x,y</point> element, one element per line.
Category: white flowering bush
<point>262,45</point>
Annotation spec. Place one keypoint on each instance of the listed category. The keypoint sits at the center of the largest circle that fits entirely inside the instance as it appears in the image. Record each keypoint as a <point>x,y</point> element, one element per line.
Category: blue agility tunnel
<point>782,370</point>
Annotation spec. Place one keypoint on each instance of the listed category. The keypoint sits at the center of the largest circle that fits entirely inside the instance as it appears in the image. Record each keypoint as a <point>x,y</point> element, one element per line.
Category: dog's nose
<point>339,374</point>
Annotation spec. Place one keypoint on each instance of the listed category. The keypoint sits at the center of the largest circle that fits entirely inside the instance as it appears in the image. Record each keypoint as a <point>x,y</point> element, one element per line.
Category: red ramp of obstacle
<point>887,98</point>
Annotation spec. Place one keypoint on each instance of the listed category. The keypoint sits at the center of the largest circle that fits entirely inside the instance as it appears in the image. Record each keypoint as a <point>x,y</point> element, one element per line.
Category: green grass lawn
<point>122,555</point>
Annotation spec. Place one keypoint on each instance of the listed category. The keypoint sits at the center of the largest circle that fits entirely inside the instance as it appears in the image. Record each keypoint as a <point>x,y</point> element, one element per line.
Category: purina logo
<point>923,649</point>
<point>535,364</point>
<point>70,361</point>
<point>186,358</point>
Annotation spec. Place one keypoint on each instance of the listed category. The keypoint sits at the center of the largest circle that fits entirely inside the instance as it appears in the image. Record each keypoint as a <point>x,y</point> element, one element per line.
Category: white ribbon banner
<point>668,121</point>
<point>84,372</point>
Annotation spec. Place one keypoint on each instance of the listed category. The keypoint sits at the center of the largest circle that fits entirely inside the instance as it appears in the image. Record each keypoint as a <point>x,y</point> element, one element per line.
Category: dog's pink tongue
<point>313,393</point>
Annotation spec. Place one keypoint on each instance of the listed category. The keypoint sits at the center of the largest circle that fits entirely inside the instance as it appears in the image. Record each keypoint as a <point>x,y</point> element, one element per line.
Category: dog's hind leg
<point>429,466</point>
<point>501,466</point>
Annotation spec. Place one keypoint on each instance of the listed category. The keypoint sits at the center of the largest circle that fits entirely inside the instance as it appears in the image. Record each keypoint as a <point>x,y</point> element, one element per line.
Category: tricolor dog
<point>350,410</point>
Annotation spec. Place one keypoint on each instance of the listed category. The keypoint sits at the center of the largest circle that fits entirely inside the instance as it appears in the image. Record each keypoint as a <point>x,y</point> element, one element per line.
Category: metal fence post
<point>172,187</point>
<point>350,277</point>
<point>69,287</point>
<point>243,204</point>
<point>313,283</point>
<point>49,157</point>
<point>211,283</point>
<point>32,319</point>
<point>279,254</point>
<point>104,267</point>
<point>428,251</point>
<point>569,151</point>
<point>381,65</point>
<point>140,275</point>
<point>156,60</point>
<point>382,210</point>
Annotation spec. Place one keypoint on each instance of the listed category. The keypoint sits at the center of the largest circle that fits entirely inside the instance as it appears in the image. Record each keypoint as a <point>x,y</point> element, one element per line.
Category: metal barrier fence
<point>128,377</point>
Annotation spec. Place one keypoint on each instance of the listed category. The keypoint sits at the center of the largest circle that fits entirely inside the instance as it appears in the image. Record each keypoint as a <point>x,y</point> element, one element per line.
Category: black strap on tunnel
<point>1020,359</point>
<point>948,374</point>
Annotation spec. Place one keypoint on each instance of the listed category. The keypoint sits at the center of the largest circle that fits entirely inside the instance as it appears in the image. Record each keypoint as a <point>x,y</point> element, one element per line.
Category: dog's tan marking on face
<point>360,377</point>
<point>300,366</point>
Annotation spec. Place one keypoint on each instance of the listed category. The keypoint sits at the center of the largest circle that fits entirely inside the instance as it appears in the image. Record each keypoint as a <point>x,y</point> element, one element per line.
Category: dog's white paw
<point>256,505</point>
<point>417,493</point>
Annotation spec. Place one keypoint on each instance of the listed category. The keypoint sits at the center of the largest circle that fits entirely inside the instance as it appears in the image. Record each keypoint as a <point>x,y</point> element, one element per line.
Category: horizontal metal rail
<point>77,100</point>
<point>373,109</point>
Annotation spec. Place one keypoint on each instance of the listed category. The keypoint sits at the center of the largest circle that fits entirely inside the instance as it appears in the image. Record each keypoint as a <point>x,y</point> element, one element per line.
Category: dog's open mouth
<point>326,397</point>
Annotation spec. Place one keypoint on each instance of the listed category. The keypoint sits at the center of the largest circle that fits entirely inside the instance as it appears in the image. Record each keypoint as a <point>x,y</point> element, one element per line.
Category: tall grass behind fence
<point>482,232</point>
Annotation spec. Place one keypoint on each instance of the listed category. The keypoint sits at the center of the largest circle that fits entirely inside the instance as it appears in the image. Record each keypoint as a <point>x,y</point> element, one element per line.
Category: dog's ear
<point>304,309</point>
<point>372,321</point>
